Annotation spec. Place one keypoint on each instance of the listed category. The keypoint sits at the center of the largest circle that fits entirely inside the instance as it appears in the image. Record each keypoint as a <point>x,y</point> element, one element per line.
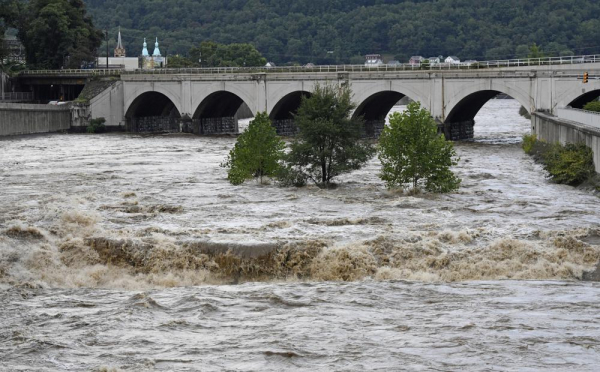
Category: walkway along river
<point>104,263</point>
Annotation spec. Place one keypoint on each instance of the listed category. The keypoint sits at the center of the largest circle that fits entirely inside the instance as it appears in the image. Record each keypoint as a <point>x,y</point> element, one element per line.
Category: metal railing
<point>16,96</point>
<point>469,65</point>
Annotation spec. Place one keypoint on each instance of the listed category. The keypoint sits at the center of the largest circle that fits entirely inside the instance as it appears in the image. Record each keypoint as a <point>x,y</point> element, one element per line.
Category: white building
<point>123,63</point>
<point>453,60</point>
<point>373,60</point>
<point>120,59</point>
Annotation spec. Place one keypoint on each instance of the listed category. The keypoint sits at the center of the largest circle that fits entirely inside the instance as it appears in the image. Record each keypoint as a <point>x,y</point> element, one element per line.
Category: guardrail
<point>16,96</point>
<point>470,65</point>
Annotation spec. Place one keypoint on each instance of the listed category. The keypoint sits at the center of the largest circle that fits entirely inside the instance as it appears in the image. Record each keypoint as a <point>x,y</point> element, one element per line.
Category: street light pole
<point>106,33</point>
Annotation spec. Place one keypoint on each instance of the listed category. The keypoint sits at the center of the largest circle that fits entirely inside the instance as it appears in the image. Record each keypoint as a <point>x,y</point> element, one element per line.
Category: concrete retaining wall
<point>588,118</point>
<point>109,105</point>
<point>20,118</point>
<point>553,129</point>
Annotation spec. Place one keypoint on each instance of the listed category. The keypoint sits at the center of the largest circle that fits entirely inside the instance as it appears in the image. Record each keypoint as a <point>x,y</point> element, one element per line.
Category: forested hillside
<point>337,31</point>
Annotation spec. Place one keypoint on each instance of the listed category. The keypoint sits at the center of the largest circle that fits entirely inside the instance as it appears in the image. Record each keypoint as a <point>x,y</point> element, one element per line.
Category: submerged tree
<point>257,152</point>
<point>413,152</point>
<point>329,142</point>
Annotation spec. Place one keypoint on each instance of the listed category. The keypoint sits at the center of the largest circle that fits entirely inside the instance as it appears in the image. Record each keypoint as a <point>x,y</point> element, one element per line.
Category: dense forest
<point>305,31</point>
<point>342,31</point>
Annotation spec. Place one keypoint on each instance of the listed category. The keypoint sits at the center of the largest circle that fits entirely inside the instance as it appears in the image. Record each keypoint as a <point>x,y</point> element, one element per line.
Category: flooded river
<point>134,253</point>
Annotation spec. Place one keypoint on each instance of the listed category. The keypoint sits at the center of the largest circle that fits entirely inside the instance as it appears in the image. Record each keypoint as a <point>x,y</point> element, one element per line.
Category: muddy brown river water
<point>107,262</point>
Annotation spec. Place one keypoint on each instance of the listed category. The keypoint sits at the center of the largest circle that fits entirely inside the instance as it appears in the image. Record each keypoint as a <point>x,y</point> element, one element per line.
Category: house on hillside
<point>270,65</point>
<point>373,60</point>
<point>435,60</point>
<point>394,63</point>
<point>415,60</point>
<point>453,60</point>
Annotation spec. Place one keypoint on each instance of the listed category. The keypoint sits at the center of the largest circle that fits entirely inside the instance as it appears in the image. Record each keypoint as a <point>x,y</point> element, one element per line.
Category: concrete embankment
<point>554,129</point>
<point>21,118</point>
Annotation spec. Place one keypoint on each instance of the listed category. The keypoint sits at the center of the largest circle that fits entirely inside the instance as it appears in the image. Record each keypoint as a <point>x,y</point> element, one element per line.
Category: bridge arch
<point>584,98</point>
<point>287,106</point>
<point>467,102</point>
<point>216,113</point>
<point>578,94</point>
<point>375,107</point>
<point>282,113</point>
<point>133,97</point>
<point>152,111</point>
<point>363,93</point>
<point>462,107</point>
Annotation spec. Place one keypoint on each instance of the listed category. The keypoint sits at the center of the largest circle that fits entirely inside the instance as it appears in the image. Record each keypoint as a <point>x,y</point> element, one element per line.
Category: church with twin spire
<point>145,60</point>
<point>152,61</point>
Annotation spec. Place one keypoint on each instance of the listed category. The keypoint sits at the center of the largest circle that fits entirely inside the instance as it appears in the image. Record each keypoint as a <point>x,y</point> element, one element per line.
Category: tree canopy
<point>257,152</point>
<point>307,31</point>
<point>55,33</point>
<point>328,143</point>
<point>211,54</point>
<point>413,152</point>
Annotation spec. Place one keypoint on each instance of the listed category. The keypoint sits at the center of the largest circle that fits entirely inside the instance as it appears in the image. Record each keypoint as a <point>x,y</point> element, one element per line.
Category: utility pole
<point>106,33</point>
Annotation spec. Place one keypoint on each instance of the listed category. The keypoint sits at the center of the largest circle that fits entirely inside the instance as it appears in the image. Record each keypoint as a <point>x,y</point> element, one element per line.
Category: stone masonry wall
<point>285,128</point>
<point>205,126</point>
<point>458,131</point>
<point>373,128</point>
<point>156,124</point>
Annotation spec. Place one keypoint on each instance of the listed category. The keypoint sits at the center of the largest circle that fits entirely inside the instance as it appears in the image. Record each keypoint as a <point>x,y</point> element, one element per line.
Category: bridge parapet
<point>552,63</point>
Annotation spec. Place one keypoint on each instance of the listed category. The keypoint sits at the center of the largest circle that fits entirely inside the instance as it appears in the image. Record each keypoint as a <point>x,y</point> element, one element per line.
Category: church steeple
<point>119,49</point>
<point>156,50</point>
<point>145,49</point>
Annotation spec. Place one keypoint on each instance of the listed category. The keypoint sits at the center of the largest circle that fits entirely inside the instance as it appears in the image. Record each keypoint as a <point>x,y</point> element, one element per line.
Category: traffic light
<point>585,77</point>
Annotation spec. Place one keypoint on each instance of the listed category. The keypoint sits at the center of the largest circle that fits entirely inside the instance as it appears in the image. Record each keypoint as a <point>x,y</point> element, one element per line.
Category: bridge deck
<point>576,63</point>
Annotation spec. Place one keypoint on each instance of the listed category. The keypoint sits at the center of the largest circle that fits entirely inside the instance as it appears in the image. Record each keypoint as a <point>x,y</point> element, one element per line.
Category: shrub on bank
<point>592,106</point>
<point>570,164</point>
<point>97,126</point>
<point>529,141</point>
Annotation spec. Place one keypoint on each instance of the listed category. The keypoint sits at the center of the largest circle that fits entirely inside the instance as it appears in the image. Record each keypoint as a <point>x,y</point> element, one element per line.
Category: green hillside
<point>305,31</point>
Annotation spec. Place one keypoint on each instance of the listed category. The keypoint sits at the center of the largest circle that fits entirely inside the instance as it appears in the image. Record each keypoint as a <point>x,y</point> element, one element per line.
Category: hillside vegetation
<point>339,31</point>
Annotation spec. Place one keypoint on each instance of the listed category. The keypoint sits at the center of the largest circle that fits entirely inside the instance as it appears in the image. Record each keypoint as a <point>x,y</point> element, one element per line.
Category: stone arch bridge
<point>206,103</point>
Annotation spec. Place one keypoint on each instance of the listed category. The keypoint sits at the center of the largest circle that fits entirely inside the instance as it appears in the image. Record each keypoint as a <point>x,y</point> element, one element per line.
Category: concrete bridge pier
<point>459,131</point>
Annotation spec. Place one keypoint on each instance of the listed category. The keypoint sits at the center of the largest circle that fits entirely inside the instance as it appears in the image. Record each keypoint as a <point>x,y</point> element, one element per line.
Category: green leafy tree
<point>178,61</point>
<point>329,142</point>
<point>592,106</point>
<point>211,54</point>
<point>535,51</point>
<point>413,152</point>
<point>257,152</point>
<point>57,33</point>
